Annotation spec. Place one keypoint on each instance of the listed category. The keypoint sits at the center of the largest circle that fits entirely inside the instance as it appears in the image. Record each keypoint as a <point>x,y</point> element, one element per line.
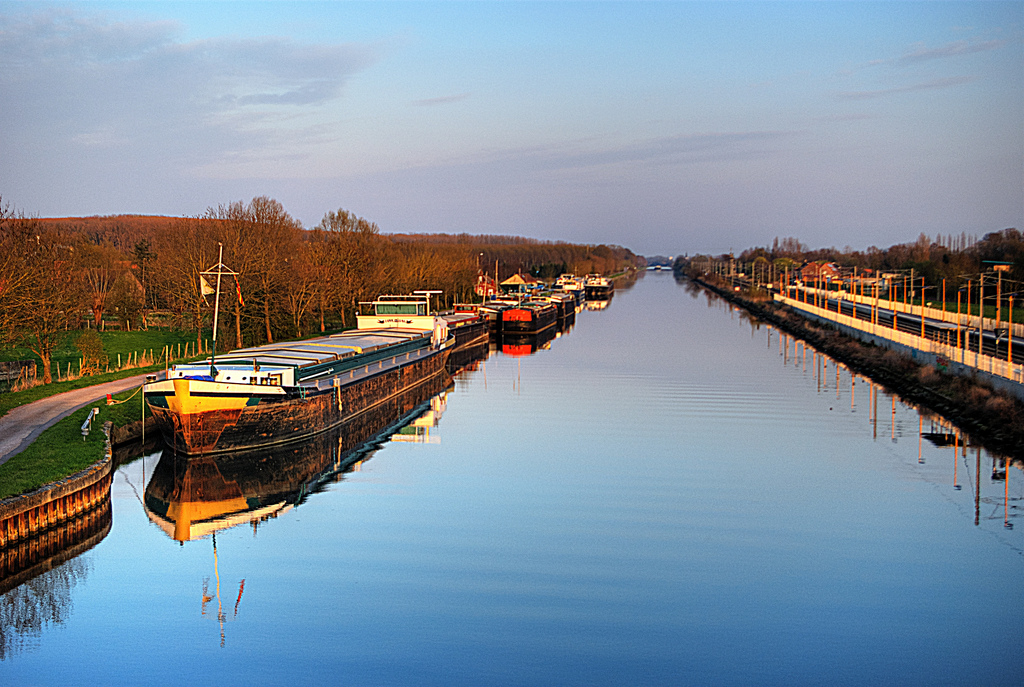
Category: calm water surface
<point>668,494</point>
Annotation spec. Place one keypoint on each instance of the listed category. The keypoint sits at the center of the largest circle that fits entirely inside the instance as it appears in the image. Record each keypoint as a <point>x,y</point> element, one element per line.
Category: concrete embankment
<point>992,417</point>
<point>36,521</point>
<point>26,515</point>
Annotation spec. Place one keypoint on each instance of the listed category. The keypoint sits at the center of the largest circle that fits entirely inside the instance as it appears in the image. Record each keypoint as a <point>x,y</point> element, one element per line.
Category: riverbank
<point>991,417</point>
<point>56,448</point>
<point>27,514</point>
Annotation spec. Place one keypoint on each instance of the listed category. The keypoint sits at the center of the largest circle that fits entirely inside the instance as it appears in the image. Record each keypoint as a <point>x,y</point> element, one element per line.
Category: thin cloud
<point>442,100</point>
<point>920,53</point>
<point>949,82</point>
<point>684,149</point>
<point>831,119</point>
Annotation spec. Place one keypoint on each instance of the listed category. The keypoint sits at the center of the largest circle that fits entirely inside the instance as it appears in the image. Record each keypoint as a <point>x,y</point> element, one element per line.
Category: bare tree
<point>48,297</point>
<point>186,248</point>
<point>302,287</point>
<point>275,237</point>
<point>357,257</point>
<point>101,267</point>
<point>12,272</point>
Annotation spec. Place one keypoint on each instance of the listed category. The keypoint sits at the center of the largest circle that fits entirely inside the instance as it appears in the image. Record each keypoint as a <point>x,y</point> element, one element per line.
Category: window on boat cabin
<point>401,309</point>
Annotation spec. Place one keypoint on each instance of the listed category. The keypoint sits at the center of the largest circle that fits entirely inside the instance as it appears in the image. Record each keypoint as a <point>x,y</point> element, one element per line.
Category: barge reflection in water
<point>190,497</point>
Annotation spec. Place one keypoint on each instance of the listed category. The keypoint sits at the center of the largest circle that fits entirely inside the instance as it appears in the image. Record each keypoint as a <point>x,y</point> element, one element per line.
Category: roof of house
<point>518,279</point>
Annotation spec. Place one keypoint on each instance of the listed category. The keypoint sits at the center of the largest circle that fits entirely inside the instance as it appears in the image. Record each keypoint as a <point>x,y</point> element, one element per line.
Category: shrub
<point>94,359</point>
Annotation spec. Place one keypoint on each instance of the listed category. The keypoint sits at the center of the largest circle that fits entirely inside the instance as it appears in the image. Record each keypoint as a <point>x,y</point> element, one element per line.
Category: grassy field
<point>115,344</point>
<point>61,450</point>
<point>124,344</point>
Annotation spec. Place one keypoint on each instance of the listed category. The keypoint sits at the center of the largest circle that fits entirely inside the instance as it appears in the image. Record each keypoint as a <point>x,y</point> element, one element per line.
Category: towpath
<point>22,425</point>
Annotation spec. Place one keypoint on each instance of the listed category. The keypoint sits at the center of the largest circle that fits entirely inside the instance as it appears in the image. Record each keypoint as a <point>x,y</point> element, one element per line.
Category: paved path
<point>23,424</point>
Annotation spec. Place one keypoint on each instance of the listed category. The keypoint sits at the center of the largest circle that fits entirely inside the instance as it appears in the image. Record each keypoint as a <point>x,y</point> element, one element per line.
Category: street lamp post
<point>922,307</point>
<point>1009,332</point>
<point>959,292</point>
<point>981,313</point>
<point>874,311</point>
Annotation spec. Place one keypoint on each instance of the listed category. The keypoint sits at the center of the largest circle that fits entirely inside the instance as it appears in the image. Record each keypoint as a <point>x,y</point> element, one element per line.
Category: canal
<point>669,493</point>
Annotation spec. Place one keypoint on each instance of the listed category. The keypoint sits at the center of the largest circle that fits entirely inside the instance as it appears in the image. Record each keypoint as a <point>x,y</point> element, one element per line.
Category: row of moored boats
<point>281,392</point>
<point>534,313</point>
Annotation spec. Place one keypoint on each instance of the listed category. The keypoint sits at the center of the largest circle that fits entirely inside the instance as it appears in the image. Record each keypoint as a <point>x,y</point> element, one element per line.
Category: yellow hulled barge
<point>278,393</point>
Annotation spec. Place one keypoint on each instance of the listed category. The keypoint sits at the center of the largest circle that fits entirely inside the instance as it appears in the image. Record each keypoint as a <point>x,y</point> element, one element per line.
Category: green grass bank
<point>61,450</point>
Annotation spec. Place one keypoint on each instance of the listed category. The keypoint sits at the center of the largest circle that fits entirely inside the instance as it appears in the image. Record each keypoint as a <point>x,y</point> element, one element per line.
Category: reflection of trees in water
<point>692,289</point>
<point>43,600</point>
<point>629,280</point>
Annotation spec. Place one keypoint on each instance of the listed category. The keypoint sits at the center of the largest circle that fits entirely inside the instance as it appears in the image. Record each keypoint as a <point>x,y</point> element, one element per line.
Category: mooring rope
<point>117,403</point>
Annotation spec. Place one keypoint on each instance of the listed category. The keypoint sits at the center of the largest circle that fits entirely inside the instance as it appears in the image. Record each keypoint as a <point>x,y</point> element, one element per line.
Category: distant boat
<point>598,288</point>
<point>529,317</point>
<point>573,285</point>
<point>565,305</point>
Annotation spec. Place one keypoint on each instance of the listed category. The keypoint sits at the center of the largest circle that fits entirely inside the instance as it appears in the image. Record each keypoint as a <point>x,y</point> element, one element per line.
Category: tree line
<point>61,275</point>
<point>955,259</point>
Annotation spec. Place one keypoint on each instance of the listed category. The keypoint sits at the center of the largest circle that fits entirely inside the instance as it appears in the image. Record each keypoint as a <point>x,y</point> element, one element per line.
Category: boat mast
<point>216,309</point>
<point>221,269</point>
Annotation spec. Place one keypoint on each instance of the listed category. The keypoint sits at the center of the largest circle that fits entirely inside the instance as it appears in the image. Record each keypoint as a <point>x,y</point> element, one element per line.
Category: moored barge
<point>565,305</point>
<point>598,288</point>
<point>465,323</point>
<point>572,285</point>
<point>530,317</point>
<point>277,393</point>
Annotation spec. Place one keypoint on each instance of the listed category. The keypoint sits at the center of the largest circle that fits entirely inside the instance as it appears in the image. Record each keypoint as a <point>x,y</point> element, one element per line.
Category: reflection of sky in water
<point>657,499</point>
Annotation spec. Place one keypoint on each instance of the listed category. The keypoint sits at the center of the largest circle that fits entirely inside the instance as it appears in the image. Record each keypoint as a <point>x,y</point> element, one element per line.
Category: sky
<point>665,127</point>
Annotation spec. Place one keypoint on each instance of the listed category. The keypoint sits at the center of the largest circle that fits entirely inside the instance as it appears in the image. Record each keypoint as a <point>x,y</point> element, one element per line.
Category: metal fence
<point>942,351</point>
<point>966,319</point>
